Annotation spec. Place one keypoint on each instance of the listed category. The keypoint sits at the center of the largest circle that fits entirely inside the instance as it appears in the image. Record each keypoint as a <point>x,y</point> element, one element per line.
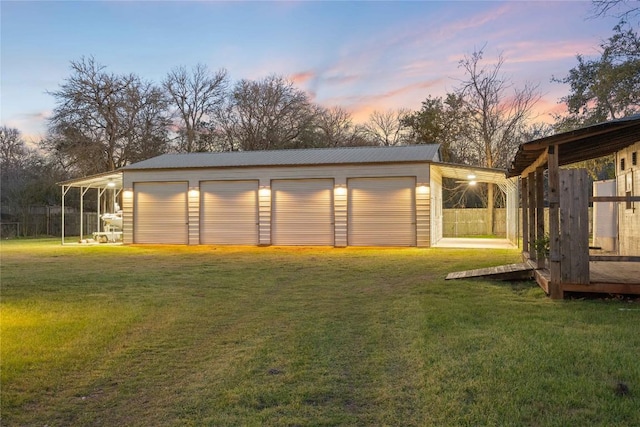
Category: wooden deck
<point>611,278</point>
<point>605,276</point>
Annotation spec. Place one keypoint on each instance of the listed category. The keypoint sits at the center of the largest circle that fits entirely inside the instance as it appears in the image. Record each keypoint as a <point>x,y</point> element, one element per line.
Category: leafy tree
<point>440,121</point>
<point>197,96</point>
<point>103,121</point>
<point>607,87</point>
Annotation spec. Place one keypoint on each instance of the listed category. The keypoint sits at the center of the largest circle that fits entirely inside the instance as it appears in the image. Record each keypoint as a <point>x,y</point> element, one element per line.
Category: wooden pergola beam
<point>541,161</point>
<point>619,199</point>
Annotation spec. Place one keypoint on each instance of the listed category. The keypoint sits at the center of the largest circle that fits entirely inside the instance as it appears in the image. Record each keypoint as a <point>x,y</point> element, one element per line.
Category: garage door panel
<point>160,213</point>
<point>381,212</point>
<point>229,212</point>
<point>302,212</point>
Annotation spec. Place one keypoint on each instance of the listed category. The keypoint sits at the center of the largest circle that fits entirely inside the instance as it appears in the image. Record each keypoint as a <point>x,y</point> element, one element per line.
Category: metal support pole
<point>83,191</point>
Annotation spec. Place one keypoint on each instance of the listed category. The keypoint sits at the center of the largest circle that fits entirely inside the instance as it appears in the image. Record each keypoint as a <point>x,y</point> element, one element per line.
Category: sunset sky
<point>362,56</point>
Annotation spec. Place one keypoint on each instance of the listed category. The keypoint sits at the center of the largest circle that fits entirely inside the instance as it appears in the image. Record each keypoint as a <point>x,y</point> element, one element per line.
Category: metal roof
<point>471,173</point>
<point>102,180</point>
<point>474,173</point>
<point>586,143</point>
<point>293,157</point>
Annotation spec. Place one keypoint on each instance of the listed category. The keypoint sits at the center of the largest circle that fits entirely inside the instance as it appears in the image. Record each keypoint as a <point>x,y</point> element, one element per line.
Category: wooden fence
<point>473,222</point>
<point>39,225</point>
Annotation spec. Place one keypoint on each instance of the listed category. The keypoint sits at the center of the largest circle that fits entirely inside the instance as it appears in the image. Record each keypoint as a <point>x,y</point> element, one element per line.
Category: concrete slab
<point>471,243</point>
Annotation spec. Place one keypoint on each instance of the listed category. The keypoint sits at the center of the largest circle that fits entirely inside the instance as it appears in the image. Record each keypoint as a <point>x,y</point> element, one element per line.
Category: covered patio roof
<point>475,173</point>
<point>102,180</point>
<point>464,172</point>
<point>578,145</point>
<point>100,183</point>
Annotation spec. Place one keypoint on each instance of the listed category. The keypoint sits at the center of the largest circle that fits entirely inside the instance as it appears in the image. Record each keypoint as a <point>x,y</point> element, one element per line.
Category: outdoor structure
<point>561,250</point>
<point>108,187</point>
<point>360,196</point>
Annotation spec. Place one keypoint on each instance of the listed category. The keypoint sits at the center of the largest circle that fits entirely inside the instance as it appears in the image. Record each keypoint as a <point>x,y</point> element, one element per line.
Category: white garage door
<point>229,212</point>
<point>302,212</point>
<point>160,212</point>
<point>381,212</point>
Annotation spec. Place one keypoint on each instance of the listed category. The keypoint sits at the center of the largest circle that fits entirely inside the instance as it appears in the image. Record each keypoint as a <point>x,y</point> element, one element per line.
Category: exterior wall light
<point>422,189</point>
<point>340,191</point>
<point>264,191</point>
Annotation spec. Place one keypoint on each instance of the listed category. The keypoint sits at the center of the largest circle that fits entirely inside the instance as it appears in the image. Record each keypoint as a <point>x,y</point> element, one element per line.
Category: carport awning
<point>474,173</point>
<point>103,180</point>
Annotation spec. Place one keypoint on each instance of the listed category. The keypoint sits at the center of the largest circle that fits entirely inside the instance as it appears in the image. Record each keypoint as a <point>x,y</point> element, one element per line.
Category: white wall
<point>628,180</point>
<point>436,207</point>
<point>339,173</point>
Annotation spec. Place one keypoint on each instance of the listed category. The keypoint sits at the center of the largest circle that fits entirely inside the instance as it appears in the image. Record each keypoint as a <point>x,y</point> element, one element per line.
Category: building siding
<point>419,171</point>
<point>628,181</point>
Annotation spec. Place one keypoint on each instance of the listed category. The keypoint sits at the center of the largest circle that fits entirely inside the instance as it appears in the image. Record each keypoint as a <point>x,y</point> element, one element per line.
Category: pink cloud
<point>481,19</point>
<point>342,79</point>
<point>540,51</point>
<point>302,77</point>
<point>33,126</point>
<point>396,97</point>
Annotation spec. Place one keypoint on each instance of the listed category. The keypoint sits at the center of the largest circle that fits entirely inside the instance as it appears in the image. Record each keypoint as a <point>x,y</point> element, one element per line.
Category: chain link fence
<point>47,224</point>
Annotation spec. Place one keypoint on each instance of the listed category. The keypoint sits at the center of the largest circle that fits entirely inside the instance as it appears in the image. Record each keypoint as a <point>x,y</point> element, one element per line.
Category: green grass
<point>163,336</point>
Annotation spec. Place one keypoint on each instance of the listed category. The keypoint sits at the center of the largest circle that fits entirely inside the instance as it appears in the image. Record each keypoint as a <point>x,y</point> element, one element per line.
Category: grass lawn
<point>164,336</point>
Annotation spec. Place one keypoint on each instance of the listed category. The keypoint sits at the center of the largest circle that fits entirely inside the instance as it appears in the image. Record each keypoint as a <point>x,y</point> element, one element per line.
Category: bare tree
<point>498,114</point>
<point>28,178</point>
<point>103,121</point>
<point>336,128</point>
<point>197,97</point>
<point>269,114</point>
<point>621,9</point>
<point>12,148</point>
<point>387,127</point>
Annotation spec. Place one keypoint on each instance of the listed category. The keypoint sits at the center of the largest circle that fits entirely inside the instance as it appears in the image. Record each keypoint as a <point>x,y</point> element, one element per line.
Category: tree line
<point>103,121</point>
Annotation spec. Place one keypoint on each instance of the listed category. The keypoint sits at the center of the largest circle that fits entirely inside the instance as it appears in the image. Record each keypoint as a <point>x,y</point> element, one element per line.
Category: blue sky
<point>362,56</point>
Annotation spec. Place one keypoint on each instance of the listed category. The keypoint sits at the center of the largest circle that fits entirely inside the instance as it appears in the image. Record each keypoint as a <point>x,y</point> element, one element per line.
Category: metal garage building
<point>361,196</point>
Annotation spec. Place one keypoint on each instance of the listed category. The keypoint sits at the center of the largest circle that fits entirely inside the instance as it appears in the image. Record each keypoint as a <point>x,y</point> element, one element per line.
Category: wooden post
<point>555,283</point>
<point>524,196</point>
<point>574,226</point>
<point>532,216</point>
<point>540,234</point>
<point>490,209</point>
